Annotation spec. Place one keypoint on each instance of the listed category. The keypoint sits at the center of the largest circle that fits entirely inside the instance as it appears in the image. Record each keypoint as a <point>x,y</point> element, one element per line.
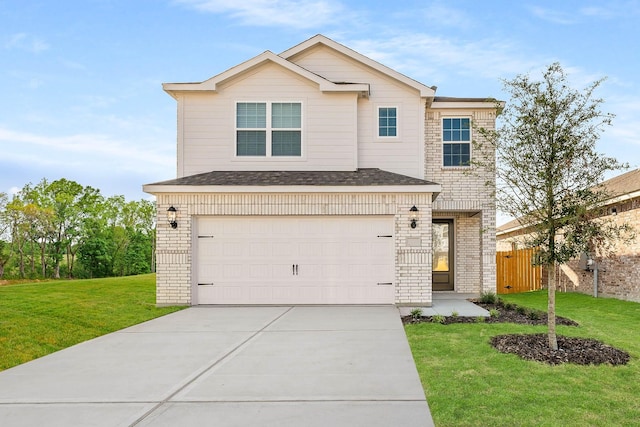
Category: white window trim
<point>442,141</point>
<point>268,129</point>
<point>376,126</point>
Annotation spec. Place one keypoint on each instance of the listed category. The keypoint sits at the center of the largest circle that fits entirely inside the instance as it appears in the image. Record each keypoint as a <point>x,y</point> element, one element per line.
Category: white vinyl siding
<point>207,132</point>
<point>403,154</point>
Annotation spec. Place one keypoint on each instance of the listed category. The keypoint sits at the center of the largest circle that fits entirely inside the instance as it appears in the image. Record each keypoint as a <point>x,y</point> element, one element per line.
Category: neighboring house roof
<point>375,179</point>
<point>621,187</point>
<point>512,225</point>
<point>425,91</point>
<point>625,184</point>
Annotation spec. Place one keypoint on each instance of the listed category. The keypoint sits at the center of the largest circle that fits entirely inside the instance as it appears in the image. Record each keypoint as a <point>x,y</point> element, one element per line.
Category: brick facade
<point>468,200</point>
<point>618,273</point>
<point>175,254</point>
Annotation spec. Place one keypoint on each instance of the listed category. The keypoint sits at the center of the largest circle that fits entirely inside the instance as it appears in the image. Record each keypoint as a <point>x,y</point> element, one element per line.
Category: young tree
<point>548,170</point>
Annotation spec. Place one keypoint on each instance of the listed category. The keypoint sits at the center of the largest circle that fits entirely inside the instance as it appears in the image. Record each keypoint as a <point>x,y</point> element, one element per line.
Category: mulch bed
<point>508,314</point>
<point>581,351</point>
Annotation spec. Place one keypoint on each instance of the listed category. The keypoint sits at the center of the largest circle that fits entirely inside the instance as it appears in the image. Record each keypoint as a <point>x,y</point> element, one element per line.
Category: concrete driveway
<point>228,366</point>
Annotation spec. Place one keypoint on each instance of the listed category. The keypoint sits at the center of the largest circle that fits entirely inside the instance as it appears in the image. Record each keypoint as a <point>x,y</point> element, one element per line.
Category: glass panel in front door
<point>440,247</point>
<point>442,263</point>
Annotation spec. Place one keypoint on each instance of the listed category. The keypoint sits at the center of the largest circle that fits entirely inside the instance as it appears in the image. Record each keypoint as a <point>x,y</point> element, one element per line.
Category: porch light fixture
<point>413,215</point>
<point>172,213</point>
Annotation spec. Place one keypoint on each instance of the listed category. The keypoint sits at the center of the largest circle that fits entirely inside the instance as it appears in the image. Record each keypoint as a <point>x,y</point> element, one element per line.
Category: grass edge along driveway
<point>468,383</point>
<point>40,318</point>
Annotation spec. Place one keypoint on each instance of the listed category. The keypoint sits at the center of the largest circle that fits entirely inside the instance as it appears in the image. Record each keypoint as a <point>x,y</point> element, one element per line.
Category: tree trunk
<point>551,307</point>
<point>21,263</point>
<point>43,263</point>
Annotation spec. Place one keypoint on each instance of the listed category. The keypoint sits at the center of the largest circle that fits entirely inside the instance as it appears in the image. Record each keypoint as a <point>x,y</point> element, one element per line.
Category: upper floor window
<point>269,129</point>
<point>456,141</point>
<point>387,122</point>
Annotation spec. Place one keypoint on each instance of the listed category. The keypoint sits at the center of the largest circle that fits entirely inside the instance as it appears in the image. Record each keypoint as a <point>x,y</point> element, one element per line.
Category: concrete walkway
<point>446,305</point>
<point>232,366</point>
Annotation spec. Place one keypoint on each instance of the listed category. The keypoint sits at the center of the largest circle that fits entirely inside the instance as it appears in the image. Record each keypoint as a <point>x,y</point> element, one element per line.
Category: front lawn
<point>39,318</point>
<point>469,383</point>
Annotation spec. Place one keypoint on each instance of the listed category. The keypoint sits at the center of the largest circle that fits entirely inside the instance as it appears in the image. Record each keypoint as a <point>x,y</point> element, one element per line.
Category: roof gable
<point>290,54</point>
<point>212,84</point>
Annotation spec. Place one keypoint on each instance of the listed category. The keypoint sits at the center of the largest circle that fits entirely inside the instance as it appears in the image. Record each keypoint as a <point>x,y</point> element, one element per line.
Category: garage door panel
<point>295,260</point>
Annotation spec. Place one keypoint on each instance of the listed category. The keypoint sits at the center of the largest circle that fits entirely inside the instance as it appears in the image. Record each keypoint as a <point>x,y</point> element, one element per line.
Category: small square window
<point>387,122</point>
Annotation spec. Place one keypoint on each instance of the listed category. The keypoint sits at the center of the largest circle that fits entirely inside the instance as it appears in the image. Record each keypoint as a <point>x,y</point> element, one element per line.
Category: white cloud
<point>290,13</point>
<point>88,151</point>
<point>553,16</point>
<point>420,54</point>
<point>24,41</point>
<point>597,12</point>
<point>443,15</point>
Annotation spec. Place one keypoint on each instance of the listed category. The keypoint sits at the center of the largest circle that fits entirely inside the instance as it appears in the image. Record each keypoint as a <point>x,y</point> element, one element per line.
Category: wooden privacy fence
<point>515,272</point>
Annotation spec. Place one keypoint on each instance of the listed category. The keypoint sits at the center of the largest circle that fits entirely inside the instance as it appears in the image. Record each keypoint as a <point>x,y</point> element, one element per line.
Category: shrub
<point>494,313</point>
<point>533,315</point>
<point>480,319</point>
<point>416,313</point>
<point>488,298</point>
<point>521,310</point>
<point>438,318</point>
<point>455,314</point>
<point>509,306</point>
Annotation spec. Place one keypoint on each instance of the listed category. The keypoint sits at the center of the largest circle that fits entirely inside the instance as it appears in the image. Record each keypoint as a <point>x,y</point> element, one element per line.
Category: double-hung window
<point>456,141</point>
<point>269,129</point>
<point>387,122</point>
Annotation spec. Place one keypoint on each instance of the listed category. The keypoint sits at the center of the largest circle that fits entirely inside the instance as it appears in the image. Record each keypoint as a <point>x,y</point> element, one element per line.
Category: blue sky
<point>80,81</point>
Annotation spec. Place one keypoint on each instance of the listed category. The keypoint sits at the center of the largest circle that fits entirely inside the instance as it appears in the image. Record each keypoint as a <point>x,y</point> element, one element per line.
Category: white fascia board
<point>464,105</point>
<point>623,198</point>
<point>425,91</point>
<point>211,85</point>
<point>298,189</point>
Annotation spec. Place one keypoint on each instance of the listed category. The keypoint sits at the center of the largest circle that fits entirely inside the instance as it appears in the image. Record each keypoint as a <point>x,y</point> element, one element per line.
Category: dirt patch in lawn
<point>582,351</point>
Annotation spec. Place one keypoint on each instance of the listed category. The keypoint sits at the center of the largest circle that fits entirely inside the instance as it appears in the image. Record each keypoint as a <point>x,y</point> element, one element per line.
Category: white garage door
<point>295,260</point>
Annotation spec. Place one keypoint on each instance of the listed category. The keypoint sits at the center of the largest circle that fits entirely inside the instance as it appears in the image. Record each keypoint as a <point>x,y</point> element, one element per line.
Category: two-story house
<point>320,176</point>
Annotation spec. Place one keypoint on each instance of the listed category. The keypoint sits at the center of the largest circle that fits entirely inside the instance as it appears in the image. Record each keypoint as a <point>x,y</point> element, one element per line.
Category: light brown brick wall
<point>174,281</point>
<point>468,199</point>
<point>618,273</point>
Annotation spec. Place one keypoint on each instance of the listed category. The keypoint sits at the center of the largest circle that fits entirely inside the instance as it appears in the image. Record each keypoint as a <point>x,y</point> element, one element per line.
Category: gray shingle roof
<point>623,184</point>
<point>360,177</point>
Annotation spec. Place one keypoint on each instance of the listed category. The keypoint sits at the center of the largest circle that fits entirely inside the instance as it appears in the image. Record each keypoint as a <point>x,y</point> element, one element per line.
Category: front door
<point>442,266</point>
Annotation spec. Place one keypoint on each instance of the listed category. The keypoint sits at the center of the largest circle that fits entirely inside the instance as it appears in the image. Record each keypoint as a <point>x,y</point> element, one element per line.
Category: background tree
<point>548,170</point>
<point>5,237</point>
<point>50,223</point>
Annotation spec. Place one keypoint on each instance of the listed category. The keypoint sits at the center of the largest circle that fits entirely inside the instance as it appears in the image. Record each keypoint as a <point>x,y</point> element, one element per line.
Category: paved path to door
<point>231,366</point>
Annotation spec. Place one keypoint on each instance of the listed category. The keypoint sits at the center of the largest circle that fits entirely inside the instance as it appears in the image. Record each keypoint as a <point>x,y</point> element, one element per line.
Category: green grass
<point>468,383</point>
<point>39,318</point>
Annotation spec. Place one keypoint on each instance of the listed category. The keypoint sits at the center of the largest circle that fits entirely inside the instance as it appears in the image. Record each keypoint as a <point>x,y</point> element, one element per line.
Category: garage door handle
<point>385,283</point>
<point>386,236</point>
<point>294,269</point>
